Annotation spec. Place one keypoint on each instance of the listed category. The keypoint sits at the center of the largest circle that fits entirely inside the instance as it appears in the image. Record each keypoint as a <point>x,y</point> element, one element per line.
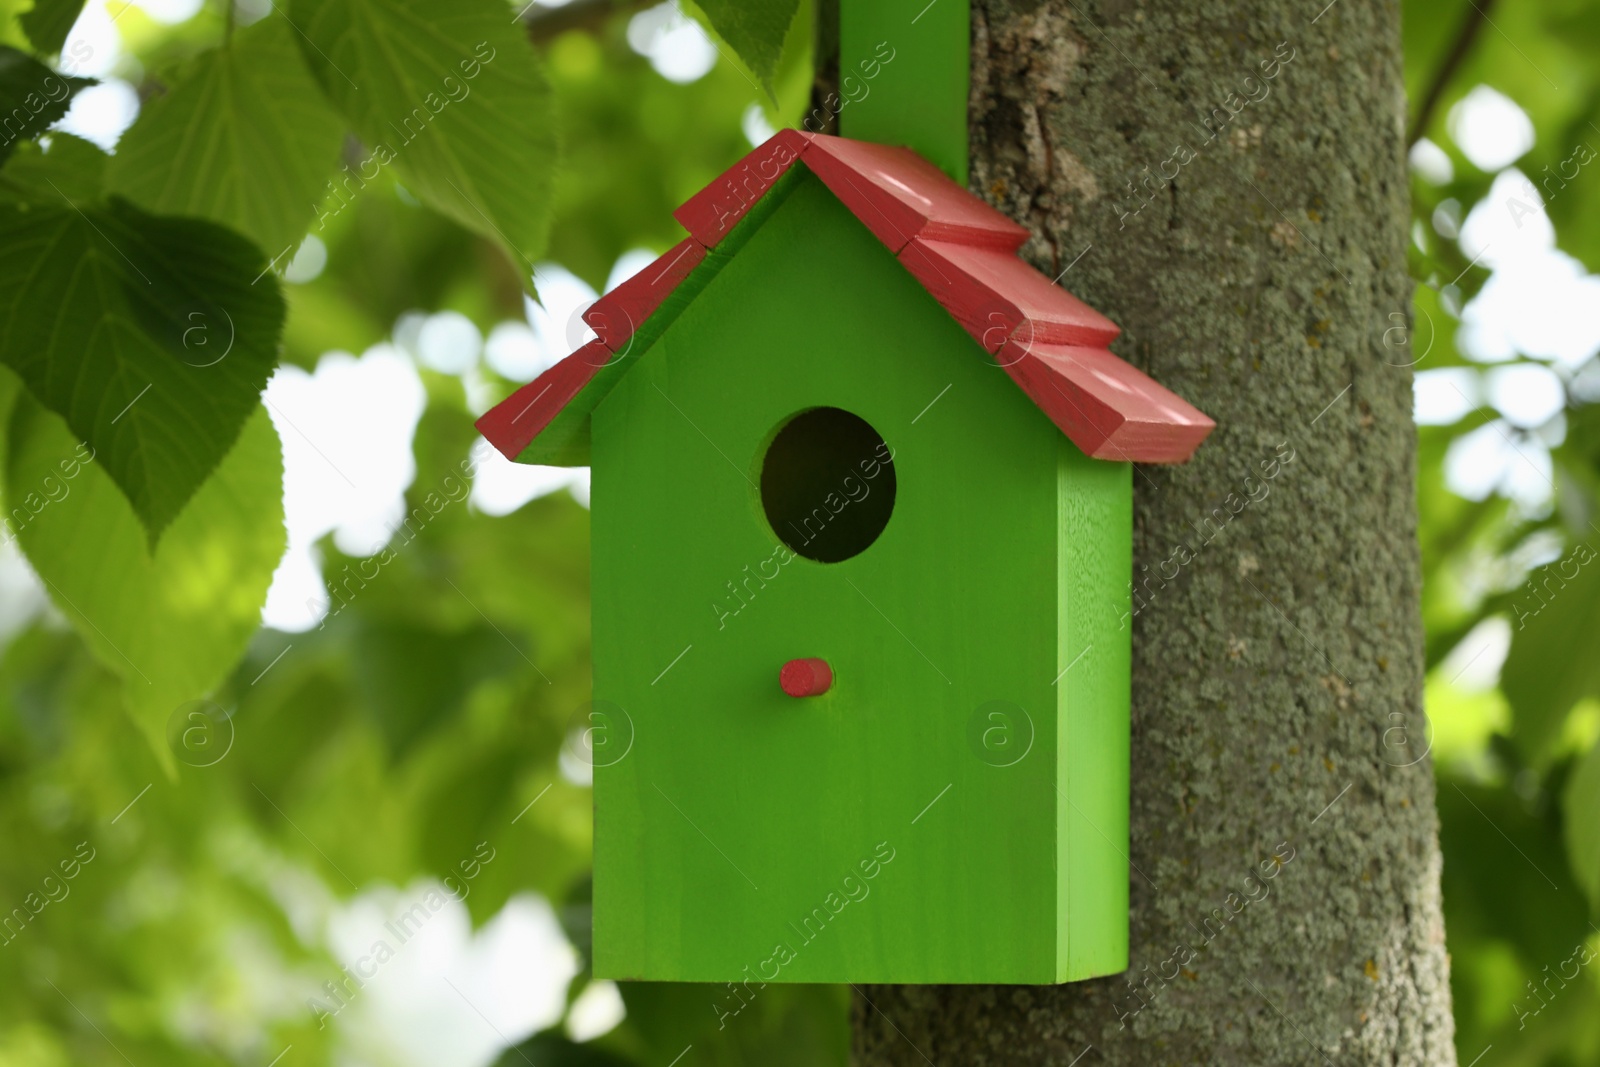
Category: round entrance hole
<point>827,484</point>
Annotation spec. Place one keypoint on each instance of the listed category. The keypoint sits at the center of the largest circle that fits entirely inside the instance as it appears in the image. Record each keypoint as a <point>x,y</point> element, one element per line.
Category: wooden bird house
<point>861,564</point>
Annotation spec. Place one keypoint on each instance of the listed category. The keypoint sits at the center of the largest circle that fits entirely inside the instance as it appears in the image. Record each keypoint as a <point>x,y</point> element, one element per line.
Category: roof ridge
<point>959,248</point>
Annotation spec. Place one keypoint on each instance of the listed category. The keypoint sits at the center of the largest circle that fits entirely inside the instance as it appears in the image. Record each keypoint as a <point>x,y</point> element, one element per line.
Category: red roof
<point>962,251</point>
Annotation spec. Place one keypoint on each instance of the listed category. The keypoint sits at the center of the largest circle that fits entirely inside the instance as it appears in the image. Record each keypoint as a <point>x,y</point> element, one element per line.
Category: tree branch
<point>547,23</point>
<point>1465,37</point>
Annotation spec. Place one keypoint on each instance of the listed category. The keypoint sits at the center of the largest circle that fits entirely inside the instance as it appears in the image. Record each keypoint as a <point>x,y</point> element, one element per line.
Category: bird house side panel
<point>1095,629</point>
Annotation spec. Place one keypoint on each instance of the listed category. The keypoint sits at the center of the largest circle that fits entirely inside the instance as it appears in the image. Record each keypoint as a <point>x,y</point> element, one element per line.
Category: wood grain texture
<point>997,296</point>
<point>960,249</point>
<point>899,195</point>
<point>919,96</point>
<point>923,819</point>
<point>617,316</point>
<point>1108,408</point>
<point>1094,519</point>
<point>512,425</point>
<point>713,212</point>
<point>556,406</point>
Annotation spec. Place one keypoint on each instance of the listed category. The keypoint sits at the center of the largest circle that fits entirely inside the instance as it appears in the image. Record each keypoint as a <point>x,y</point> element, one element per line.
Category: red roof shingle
<point>958,247</point>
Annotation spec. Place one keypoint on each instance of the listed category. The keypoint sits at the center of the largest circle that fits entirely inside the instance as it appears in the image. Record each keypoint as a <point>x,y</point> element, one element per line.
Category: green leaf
<point>1580,804</point>
<point>58,168</point>
<point>1506,873</point>
<point>555,1050</point>
<point>451,94</point>
<point>780,1025</point>
<point>414,677</point>
<point>1552,664</point>
<point>755,30</point>
<point>49,21</point>
<point>171,623</point>
<point>152,336</point>
<point>246,140</point>
<point>32,96</point>
<point>10,392</point>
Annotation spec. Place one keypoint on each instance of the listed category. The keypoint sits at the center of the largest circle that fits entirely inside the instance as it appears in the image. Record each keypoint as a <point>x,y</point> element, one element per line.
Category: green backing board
<point>733,840</point>
<point>919,97</point>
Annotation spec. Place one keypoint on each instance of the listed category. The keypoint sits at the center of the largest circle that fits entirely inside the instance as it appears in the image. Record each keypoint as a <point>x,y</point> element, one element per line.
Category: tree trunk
<point>1227,182</point>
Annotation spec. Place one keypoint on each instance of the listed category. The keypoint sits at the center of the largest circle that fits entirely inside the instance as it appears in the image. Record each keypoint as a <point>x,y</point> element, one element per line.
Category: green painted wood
<point>865,834</point>
<point>1095,532</point>
<point>566,441</point>
<point>919,97</point>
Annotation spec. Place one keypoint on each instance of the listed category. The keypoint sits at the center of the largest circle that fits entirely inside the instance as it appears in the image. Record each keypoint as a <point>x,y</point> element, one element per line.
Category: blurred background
<point>375,850</point>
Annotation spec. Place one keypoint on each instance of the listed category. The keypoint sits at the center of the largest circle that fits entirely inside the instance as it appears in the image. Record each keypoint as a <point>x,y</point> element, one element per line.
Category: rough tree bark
<point>1248,233</point>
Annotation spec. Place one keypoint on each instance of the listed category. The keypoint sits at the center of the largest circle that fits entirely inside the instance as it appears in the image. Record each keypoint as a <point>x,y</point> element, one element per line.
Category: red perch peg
<point>806,677</point>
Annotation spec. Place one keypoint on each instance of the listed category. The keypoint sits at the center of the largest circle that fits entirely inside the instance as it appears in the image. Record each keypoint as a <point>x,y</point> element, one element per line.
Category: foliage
<point>48,22</point>
<point>755,31</point>
<point>110,315</point>
<point>32,96</point>
<point>453,96</point>
<point>244,139</point>
<point>1517,764</point>
<point>222,791</point>
<point>173,622</point>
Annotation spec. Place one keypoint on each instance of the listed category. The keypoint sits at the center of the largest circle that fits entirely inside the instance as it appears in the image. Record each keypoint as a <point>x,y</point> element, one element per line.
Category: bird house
<point>861,533</point>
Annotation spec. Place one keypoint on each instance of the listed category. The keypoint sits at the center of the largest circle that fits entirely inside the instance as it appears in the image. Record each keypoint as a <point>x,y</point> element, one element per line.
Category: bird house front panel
<point>813,466</point>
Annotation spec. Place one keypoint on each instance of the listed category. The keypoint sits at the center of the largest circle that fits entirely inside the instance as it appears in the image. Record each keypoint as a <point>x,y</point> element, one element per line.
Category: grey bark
<point>1277,649</point>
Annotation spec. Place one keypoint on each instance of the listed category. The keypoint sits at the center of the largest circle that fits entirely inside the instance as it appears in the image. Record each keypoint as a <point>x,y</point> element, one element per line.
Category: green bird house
<point>862,519</point>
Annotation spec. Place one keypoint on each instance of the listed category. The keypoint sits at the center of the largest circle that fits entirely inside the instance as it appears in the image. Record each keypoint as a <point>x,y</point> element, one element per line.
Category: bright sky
<point>1539,304</point>
<point>347,427</point>
<point>438,992</point>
